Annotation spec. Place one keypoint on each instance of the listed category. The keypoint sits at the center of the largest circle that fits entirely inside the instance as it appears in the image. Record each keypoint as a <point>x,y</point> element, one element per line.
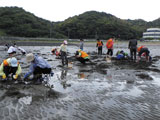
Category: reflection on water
<point>59,81</point>
<point>63,74</point>
<point>81,76</point>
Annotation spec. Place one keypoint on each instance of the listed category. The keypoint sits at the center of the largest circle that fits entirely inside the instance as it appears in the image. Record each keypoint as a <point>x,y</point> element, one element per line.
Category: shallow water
<point>121,90</point>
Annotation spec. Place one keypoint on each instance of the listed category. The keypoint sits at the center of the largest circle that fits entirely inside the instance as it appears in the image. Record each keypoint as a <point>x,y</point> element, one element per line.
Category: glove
<point>4,76</point>
<point>15,76</point>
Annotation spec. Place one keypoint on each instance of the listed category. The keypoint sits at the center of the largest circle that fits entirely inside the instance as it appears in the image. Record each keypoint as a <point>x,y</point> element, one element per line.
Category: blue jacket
<point>38,61</point>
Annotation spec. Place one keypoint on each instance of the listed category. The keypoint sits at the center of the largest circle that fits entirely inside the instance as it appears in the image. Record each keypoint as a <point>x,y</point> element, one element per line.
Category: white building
<point>152,33</point>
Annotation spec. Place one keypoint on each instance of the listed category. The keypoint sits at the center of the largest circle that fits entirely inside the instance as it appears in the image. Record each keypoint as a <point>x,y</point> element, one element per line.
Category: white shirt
<point>63,48</point>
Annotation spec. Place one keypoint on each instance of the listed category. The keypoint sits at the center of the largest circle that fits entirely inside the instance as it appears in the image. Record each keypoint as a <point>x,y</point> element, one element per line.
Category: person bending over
<point>38,67</point>
<point>82,56</point>
<point>10,66</point>
<point>141,50</point>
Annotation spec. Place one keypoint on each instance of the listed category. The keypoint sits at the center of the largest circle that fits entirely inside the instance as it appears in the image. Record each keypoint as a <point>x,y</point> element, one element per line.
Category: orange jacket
<point>5,62</point>
<point>99,43</point>
<point>139,48</point>
<point>83,54</point>
<point>109,44</point>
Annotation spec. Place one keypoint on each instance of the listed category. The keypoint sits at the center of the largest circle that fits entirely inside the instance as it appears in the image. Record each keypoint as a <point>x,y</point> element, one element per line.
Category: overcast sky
<point>59,10</point>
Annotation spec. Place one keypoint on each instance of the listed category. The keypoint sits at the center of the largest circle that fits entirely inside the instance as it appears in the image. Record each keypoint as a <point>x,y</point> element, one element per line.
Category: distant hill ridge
<point>15,21</point>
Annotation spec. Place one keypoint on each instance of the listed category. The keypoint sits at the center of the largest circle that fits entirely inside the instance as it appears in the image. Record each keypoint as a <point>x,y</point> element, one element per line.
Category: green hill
<point>94,24</point>
<point>16,21</point>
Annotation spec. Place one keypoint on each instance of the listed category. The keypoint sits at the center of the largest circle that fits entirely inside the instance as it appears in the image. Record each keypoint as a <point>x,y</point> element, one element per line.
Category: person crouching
<point>38,67</point>
<point>82,56</point>
<point>141,50</point>
<point>10,66</point>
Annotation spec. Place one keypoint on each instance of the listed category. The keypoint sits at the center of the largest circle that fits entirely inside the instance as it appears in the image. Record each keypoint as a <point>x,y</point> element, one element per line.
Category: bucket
<point>108,59</point>
<point>70,64</point>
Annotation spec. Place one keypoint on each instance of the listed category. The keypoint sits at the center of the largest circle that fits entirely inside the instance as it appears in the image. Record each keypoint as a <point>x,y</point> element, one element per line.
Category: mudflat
<point>97,90</point>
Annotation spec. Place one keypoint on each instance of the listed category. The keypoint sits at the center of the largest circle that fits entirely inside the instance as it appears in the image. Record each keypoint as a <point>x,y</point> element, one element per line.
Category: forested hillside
<point>95,24</point>
<point>16,21</point>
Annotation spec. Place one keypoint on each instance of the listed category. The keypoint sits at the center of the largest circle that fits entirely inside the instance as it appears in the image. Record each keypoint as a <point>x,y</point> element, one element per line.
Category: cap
<point>29,57</point>
<point>11,50</point>
<point>14,62</point>
<point>65,42</point>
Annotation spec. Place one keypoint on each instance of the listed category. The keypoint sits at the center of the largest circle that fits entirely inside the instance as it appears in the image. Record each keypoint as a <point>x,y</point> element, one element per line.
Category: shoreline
<point>86,43</point>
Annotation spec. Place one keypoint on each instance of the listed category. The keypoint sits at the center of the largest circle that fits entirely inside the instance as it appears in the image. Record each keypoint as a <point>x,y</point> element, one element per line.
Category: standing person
<point>10,66</point>
<point>82,56</point>
<point>143,50</point>
<point>38,67</point>
<point>81,44</point>
<point>133,48</point>
<point>109,46</point>
<point>99,45</point>
<point>63,50</point>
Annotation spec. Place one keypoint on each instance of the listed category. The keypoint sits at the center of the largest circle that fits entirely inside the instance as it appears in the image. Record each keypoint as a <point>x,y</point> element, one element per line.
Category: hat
<point>11,50</point>
<point>29,57</point>
<point>14,62</point>
<point>65,42</point>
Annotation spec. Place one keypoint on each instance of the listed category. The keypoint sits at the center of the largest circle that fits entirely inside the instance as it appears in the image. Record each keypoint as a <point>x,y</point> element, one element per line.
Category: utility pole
<point>68,32</point>
<point>51,30</point>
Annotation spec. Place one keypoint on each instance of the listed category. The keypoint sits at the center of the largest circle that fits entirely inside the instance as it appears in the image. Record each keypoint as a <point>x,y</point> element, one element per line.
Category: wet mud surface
<point>120,90</point>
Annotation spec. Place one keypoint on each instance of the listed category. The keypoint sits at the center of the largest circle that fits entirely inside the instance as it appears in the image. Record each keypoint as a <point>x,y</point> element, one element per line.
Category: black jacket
<point>132,44</point>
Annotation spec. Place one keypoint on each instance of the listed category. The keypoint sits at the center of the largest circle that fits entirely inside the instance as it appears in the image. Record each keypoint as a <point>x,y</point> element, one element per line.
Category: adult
<point>63,51</point>
<point>109,46</point>
<point>56,51</point>
<point>38,67</point>
<point>143,50</point>
<point>21,50</point>
<point>81,44</point>
<point>121,55</point>
<point>10,66</point>
<point>100,46</point>
<point>12,51</point>
<point>82,56</point>
<point>133,48</point>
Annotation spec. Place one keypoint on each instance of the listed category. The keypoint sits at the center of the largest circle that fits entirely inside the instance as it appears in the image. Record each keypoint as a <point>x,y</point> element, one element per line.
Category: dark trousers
<point>133,53</point>
<point>39,70</point>
<point>100,50</point>
<point>8,70</point>
<point>82,60</point>
<point>38,73</point>
<point>64,58</point>
<point>110,52</point>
